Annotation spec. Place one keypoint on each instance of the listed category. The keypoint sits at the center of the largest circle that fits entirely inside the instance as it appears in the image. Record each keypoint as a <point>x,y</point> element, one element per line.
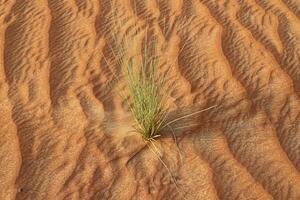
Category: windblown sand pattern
<point>64,134</point>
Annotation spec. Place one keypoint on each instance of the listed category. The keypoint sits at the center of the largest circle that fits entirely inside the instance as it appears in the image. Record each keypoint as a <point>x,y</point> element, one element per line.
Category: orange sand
<point>64,133</point>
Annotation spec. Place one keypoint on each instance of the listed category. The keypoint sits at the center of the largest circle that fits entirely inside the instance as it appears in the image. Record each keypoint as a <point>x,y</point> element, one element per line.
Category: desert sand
<point>64,134</point>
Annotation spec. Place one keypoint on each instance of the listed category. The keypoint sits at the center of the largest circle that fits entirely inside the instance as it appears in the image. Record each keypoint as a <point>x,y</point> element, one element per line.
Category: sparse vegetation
<point>148,104</point>
<point>145,87</point>
<point>139,66</point>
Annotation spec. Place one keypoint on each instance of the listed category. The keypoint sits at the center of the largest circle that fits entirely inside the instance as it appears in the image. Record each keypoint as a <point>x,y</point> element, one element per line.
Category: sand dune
<point>64,134</point>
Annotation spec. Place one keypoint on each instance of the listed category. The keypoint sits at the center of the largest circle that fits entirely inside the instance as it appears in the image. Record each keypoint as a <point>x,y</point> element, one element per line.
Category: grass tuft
<point>148,102</point>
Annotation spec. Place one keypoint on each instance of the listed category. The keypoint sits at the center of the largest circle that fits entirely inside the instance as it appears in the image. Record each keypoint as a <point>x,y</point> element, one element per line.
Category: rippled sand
<point>64,134</point>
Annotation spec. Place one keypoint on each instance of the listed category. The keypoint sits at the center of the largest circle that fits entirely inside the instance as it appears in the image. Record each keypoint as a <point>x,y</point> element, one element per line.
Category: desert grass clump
<point>134,51</point>
<point>148,102</point>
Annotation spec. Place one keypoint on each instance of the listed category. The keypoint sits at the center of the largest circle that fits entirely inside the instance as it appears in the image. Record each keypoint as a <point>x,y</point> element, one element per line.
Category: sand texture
<point>66,135</point>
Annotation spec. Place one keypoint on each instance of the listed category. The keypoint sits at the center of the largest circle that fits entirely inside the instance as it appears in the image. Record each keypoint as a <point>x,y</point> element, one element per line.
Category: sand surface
<point>64,134</point>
